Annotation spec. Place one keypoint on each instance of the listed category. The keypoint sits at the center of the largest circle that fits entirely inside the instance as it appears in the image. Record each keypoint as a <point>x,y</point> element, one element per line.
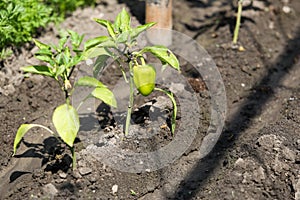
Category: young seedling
<point>141,75</point>
<point>133,193</point>
<point>61,61</point>
<point>238,22</point>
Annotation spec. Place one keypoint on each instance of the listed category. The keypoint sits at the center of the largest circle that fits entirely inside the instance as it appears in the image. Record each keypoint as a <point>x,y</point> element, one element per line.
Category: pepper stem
<point>142,60</point>
<point>131,97</point>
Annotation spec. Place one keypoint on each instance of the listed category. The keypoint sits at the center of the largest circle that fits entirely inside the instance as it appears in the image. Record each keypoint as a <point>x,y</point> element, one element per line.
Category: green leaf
<point>44,58</point>
<point>66,56</point>
<point>75,60</point>
<point>108,25</point>
<point>5,53</point>
<point>105,95</point>
<point>75,38</point>
<point>23,129</point>
<point>122,22</point>
<point>62,42</point>
<point>139,29</point>
<point>38,69</point>
<point>44,52</point>
<point>95,42</point>
<point>66,122</point>
<point>96,51</point>
<point>100,63</point>
<point>58,59</point>
<point>123,37</point>
<point>61,69</point>
<point>89,82</point>
<point>163,54</point>
<point>41,45</point>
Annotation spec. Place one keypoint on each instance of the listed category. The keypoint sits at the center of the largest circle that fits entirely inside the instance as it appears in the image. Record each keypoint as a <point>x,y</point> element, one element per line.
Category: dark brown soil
<point>257,155</point>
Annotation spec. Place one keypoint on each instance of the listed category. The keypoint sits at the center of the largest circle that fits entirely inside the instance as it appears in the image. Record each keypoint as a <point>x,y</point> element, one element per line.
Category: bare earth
<point>257,155</point>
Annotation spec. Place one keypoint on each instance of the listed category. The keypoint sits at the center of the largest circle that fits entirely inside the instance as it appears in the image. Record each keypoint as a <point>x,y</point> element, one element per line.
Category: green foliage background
<point>20,19</point>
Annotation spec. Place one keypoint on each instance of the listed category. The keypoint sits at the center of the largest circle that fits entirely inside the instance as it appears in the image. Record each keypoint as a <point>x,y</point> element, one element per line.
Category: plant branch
<point>71,72</point>
<point>80,104</point>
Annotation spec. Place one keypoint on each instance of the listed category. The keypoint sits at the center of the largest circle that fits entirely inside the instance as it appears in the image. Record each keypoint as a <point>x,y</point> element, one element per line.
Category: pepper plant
<point>61,60</point>
<point>121,45</point>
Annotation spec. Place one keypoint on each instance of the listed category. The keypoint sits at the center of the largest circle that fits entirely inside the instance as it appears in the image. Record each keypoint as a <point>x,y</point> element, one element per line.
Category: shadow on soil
<point>224,17</point>
<point>51,153</point>
<point>241,122</point>
<point>208,3</point>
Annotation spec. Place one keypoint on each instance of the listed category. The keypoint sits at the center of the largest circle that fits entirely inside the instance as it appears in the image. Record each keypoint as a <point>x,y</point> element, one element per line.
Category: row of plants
<point>21,19</point>
<point>120,45</point>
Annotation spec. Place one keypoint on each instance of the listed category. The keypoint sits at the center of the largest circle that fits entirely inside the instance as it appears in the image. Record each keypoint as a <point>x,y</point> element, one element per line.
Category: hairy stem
<point>130,103</point>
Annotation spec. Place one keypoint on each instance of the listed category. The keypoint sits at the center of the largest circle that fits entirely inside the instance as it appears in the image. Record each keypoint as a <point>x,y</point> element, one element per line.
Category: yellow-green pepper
<point>144,78</point>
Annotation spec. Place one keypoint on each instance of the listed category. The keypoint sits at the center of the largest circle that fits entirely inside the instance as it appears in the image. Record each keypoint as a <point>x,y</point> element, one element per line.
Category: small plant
<point>238,22</point>
<point>5,53</point>
<point>65,7</point>
<point>141,75</point>
<point>133,193</point>
<point>20,20</point>
<point>61,61</point>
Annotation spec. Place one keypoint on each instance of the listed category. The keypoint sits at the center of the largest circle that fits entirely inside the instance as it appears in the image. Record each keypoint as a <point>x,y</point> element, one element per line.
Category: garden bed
<point>256,157</point>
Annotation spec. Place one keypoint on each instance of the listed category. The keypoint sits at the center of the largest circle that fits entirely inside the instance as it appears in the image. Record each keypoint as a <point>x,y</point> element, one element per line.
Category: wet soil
<point>256,157</point>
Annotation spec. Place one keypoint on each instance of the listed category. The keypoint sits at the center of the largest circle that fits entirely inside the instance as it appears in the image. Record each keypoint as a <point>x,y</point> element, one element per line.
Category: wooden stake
<point>160,11</point>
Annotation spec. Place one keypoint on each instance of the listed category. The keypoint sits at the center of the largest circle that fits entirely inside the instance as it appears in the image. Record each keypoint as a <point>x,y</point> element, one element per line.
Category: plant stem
<point>73,157</point>
<point>143,60</point>
<point>238,22</point>
<point>80,104</point>
<point>130,103</point>
<point>174,115</point>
